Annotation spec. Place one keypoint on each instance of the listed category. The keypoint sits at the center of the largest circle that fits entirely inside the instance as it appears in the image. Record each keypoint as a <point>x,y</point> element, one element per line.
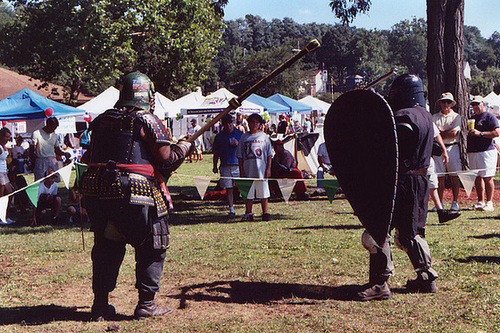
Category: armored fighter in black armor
<point>125,196</point>
<point>415,135</point>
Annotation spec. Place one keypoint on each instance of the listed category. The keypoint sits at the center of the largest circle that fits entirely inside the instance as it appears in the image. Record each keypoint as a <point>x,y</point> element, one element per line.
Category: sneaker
<point>247,217</point>
<point>434,209</point>
<point>231,214</point>
<point>374,292</point>
<point>421,286</point>
<point>488,207</point>
<point>266,217</point>
<point>479,205</point>
<point>103,312</point>
<point>150,309</point>
<point>454,206</point>
<point>9,221</point>
<point>445,215</point>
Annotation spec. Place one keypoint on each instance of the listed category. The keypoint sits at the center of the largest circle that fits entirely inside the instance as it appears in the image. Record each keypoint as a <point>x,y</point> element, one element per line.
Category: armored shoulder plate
<point>155,127</point>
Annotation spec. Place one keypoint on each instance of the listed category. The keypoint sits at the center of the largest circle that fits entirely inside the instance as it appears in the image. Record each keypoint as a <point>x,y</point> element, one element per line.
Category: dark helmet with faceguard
<point>407,90</point>
<point>136,89</point>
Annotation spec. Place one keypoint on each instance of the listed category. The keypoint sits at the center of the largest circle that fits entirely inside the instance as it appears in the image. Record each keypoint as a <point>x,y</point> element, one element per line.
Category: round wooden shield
<point>360,137</point>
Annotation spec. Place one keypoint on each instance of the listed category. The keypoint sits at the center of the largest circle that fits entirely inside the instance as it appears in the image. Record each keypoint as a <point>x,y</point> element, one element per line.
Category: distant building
<point>316,82</point>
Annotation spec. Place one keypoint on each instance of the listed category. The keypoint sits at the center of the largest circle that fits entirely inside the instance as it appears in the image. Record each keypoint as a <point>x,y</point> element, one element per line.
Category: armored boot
<point>148,308</point>
<point>445,215</point>
<point>101,309</point>
<point>381,267</point>
<point>424,283</point>
<point>420,256</point>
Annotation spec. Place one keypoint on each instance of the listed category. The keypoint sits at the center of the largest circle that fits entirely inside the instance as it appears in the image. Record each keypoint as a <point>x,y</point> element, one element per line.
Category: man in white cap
<point>482,153</point>
<point>448,122</point>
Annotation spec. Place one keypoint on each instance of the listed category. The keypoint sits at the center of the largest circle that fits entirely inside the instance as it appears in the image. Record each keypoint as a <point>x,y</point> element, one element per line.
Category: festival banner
<point>286,187</point>
<point>65,173</point>
<point>244,186</point>
<point>468,178</point>
<point>4,202</point>
<point>331,186</point>
<point>80,169</point>
<point>201,184</point>
<point>32,192</point>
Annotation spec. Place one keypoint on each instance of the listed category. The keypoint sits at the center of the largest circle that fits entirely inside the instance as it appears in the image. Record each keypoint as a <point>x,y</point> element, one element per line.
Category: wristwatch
<point>482,133</point>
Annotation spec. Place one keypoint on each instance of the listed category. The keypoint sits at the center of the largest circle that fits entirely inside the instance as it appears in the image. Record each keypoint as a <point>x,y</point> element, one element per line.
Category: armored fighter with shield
<point>124,194</point>
<point>393,192</point>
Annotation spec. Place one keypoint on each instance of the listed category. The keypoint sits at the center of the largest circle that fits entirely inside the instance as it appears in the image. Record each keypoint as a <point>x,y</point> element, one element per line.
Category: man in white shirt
<point>448,122</point>
<point>46,148</point>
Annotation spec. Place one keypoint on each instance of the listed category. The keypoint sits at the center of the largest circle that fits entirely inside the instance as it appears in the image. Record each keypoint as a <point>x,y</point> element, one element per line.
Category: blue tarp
<point>27,104</point>
<point>291,103</point>
<point>269,106</point>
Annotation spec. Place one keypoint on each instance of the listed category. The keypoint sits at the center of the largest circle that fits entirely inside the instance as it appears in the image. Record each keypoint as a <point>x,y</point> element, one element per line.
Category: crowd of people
<point>130,153</point>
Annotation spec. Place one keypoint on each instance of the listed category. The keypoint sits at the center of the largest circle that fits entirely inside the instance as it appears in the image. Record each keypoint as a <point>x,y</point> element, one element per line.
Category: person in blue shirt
<point>224,148</point>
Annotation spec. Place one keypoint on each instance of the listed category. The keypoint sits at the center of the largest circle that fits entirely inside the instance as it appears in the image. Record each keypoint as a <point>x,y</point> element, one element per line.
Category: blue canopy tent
<point>292,104</point>
<point>27,104</point>
<point>28,107</point>
<point>269,105</point>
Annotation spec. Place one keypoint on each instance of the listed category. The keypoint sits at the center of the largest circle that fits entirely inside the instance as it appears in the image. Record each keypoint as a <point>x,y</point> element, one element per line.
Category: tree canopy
<point>87,44</point>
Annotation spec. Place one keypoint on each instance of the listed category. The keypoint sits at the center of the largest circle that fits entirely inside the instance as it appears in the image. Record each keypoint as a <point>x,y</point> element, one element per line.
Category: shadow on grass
<point>44,314</point>
<point>339,227</point>
<point>481,259</point>
<point>487,236</point>
<point>263,292</point>
<point>19,229</point>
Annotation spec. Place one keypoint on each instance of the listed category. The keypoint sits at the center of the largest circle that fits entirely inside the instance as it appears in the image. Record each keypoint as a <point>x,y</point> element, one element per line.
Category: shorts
<point>431,172</point>
<point>197,149</point>
<point>485,162</point>
<point>42,164</point>
<point>4,179</point>
<point>455,164</point>
<point>227,173</point>
<point>259,189</point>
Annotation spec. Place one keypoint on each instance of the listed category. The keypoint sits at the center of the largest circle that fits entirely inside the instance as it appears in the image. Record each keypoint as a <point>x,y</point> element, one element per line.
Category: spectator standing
<point>254,159</point>
<point>46,146</point>
<point>324,163</point>
<point>5,186</point>
<point>282,127</point>
<point>224,148</point>
<point>196,155</point>
<point>482,153</point>
<point>448,122</point>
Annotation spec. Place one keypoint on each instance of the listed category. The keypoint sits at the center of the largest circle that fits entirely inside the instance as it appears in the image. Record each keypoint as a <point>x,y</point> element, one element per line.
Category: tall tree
<point>445,49</point>
<point>85,44</point>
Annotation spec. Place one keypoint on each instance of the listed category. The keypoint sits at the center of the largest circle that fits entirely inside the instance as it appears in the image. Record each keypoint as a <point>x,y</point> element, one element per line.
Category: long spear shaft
<point>394,71</point>
<point>234,103</point>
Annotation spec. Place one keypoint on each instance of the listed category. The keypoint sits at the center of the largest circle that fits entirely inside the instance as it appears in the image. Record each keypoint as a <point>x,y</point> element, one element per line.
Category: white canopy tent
<point>492,102</point>
<point>316,104</point>
<point>108,98</point>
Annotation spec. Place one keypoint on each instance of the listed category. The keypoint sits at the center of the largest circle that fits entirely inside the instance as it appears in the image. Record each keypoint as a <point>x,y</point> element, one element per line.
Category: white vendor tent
<point>492,101</point>
<point>108,98</point>
<point>316,104</point>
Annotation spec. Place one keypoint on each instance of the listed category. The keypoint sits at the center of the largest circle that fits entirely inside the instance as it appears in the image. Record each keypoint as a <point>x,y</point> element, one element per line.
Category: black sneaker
<point>150,309</point>
<point>445,215</point>
<point>374,292</point>
<point>266,217</point>
<point>103,312</point>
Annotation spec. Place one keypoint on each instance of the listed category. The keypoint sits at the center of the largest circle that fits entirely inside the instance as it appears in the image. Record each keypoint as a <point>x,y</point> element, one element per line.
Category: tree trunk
<point>445,38</point>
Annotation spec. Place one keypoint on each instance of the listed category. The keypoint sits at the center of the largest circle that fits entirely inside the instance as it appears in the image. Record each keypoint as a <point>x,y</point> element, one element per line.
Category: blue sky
<point>483,14</point>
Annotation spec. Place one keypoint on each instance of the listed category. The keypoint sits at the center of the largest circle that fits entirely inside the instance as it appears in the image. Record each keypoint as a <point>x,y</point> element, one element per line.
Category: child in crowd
<point>47,198</point>
<point>254,159</point>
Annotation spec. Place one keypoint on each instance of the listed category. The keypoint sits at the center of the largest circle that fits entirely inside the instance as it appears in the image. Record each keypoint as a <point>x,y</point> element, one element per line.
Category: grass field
<point>291,274</point>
